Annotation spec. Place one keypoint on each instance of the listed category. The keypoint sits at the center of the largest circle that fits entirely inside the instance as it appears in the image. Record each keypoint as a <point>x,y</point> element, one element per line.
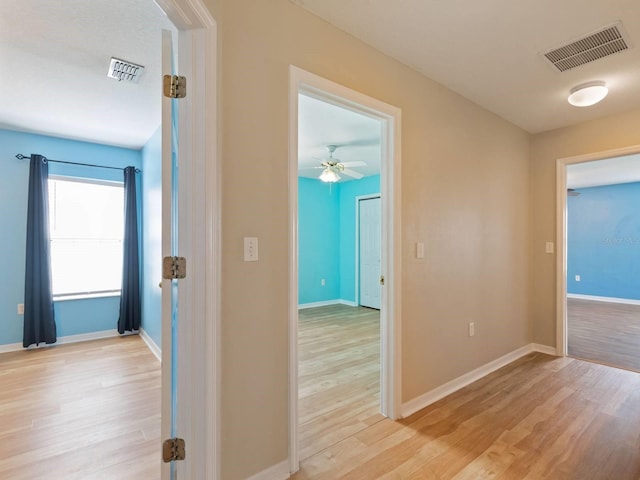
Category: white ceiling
<point>56,56</point>
<point>604,172</point>
<point>489,51</point>
<point>356,136</point>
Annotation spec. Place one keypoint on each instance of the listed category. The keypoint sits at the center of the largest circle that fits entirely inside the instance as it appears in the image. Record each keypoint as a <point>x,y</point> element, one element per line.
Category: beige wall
<point>595,136</point>
<point>464,193</point>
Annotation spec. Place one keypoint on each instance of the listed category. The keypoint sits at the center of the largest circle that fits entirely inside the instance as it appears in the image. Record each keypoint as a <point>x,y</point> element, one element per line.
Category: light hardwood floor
<point>339,374</point>
<point>604,332</point>
<point>540,417</point>
<point>85,411</point>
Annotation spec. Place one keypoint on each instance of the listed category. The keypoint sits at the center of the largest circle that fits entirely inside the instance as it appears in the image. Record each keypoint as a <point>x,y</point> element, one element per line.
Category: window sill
<point>85,296</point>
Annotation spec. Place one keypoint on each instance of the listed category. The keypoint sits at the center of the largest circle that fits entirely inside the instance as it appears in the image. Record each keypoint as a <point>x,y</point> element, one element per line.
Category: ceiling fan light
<point>329,176</point>
<point>587,94</point>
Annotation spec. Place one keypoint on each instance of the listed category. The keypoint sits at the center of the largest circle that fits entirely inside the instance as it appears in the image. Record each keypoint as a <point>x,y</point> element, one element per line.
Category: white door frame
<point>301,81</point>
<point>561,234</point>
<point>357,256</point>
<point>199,219</point>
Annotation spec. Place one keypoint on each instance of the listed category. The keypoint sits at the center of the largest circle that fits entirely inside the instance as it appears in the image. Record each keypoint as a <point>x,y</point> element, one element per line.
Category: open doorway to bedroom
<point>603,261</point>
<point>344,152</point>
<point>98,395</point>
<point>339,249</point>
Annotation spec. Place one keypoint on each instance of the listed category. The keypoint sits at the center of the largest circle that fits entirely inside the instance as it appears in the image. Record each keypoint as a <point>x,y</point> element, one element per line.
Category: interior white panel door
<point>369,247</point>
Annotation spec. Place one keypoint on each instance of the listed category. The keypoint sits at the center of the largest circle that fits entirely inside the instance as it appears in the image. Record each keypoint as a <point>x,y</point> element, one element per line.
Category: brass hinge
<point>381,279</point>
<point>172,450</point>
<point>174,86</point>
<point>174,267</point>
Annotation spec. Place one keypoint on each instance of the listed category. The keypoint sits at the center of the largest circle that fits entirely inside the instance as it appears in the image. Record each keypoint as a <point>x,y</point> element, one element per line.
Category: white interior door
<point>369,234</point>
<point>169,248</point>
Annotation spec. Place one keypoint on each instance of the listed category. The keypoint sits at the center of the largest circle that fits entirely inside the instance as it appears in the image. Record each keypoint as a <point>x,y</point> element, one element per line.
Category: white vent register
<point>122,70</point>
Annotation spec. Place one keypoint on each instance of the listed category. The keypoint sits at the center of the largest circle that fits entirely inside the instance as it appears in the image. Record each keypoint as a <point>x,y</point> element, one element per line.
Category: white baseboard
<point>628,301</point>
<point>325,303</point>
<point>10,347</point>
<point>81,337</point>
<point>279,471</point>
<point>151,344</point>
<point>448,388</point>
<point>537,347</point>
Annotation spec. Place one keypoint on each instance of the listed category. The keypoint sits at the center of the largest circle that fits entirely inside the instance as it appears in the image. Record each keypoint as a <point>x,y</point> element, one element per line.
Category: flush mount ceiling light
<point>587,94</point>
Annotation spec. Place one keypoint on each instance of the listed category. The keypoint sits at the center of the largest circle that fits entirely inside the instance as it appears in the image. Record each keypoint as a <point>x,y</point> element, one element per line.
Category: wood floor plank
<point>540,417</point>
<point>604,332</point>
<point>89,410</point>
<point>338,375</point>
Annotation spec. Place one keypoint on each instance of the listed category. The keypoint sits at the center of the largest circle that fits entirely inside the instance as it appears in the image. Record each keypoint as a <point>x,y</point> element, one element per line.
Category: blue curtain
<point>130,309</point>
<point>39,318</point>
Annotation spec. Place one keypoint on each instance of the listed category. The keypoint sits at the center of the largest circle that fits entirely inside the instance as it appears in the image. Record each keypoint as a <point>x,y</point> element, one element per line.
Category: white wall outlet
<point>472,329</point>
<point>577,278</point>
<point>549,247</point>
<point>250,249</point>
<point>21,309</point>
<point>323,282</point>
<point>419,250</point>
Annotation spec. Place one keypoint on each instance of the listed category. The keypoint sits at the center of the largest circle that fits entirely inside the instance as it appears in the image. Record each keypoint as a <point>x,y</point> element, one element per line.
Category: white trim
<point>326,303</point>
<point>546,349</point>
<point>626,301</point>
<point>279,471</point>
<point>390,189</point>
<point>199,348</point>
<point>561,234</point>
<point>151,345</point>
<point>80,337</point>
<point>462,381</point>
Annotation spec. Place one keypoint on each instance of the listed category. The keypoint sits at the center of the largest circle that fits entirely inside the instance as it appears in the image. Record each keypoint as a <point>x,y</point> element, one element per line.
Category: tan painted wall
<point>464,193</point>
<point>595,136</point>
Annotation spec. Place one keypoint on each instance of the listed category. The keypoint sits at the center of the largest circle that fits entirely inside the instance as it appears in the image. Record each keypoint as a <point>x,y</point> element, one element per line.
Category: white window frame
<point>84,294</point>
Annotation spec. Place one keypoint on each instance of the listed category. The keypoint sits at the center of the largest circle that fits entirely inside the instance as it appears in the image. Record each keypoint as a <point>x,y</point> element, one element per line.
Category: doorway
<point>598,310</point>
<point>305,83</point>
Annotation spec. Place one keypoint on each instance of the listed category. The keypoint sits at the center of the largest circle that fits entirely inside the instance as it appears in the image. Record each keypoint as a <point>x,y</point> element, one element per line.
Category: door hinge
<point>174,267</point>
<point>381,279</point>
<point>172,450</point>
<point>174,86</point>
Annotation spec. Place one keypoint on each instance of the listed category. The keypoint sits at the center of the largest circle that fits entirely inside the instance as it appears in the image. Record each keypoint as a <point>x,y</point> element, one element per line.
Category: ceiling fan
<point>333,167</point>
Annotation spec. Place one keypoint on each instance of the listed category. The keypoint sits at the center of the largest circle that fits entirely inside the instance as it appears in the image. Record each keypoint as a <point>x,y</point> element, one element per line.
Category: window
<point>86,222</point>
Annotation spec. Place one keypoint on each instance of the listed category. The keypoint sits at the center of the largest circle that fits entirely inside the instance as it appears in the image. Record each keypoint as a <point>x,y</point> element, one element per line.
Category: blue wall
<point>152,237</point>
<point>603,241</point>
<point>72,316</point>
<point>326,237</point>
<point>318,241</point>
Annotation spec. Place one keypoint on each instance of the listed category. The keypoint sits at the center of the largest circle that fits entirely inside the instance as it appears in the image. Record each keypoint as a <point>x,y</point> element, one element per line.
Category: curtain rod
<point>19,156</point>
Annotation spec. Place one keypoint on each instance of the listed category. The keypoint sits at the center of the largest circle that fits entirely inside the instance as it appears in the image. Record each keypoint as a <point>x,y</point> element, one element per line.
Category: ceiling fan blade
<point>351,173</point>
<point>354,164</point>
<point>311,168</point>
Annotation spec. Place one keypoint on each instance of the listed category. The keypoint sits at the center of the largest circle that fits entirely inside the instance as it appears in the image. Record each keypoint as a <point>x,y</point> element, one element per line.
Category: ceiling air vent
<point>123,70</point>
<point>602,43</point>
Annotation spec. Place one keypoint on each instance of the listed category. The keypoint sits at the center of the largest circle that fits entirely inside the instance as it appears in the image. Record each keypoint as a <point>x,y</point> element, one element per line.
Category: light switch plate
<point>250,249</point>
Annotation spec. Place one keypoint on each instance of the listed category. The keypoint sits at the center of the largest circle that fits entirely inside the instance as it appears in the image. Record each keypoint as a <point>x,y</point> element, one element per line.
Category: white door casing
<point>301,81</point>
<point>561,235</point>
<point>369,251</point>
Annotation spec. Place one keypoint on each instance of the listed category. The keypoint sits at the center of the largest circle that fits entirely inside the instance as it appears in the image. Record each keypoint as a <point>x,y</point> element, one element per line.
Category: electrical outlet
<point>323,282</point>
<point>472,329</point>
<point>548,248</point>
<point>578,278</point>
<point>21,309</point>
